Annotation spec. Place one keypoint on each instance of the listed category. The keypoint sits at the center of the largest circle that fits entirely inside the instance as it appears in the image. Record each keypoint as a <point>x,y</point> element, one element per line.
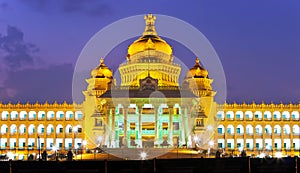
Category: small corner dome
<point>197,70</point>
<point>101,71</point>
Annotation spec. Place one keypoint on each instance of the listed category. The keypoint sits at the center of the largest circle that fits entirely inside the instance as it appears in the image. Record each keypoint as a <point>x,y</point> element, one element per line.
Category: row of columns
<point>112,141</point>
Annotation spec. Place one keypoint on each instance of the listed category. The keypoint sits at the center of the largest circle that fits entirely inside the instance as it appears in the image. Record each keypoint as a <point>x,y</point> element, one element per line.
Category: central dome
<point>149,40</point>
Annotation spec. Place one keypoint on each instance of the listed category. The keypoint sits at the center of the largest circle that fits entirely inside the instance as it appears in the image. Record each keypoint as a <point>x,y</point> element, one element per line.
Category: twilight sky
<point>258,43</point>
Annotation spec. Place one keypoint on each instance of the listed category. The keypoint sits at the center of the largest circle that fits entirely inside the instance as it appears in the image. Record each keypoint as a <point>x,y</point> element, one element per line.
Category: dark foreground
<point>232,165</point>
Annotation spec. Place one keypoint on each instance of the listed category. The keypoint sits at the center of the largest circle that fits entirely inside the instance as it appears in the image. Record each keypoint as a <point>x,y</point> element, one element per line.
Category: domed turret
<point>198,71</point>
<point>197,80</point>
<point>102,71</point>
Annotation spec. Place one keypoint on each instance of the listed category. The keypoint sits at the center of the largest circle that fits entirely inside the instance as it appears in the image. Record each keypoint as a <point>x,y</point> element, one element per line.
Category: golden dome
<point>101,71</point>
<point>150,40</point>
<point>198,71</point>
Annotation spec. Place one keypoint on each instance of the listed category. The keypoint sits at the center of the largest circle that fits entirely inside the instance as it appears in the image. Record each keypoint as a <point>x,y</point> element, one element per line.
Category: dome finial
<point>101,60</point>
<point>150,28</point>
<point>197,60</point>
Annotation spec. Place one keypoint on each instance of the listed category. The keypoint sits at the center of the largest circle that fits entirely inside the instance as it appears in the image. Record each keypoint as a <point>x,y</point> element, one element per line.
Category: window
<point>228,116</point>
<point>220,131</point>
<point>247,116</point>
<point>60,130</point>
<point>79,129</point>
<point>284,116</point>
<point>275,116</point>
<point>60,145</point>
<point>200,122</point>
<point>42,129</point>
<point>238,116</point>
<point>132,126</point>
<point>175,125</point>
<point>220,145</point>
<point>121,125</point>
<point>229,131</point>
<point>238,130</point>
<point>219,116</point>
<point>229,145</point>
<point>256,115</point>
<point>284,145</point>
<point>238,145</point>
<point>247,145</point>
<point>257,145</point>
<point>98,122</point>
<point>257,130</point>
<point>165,126</point>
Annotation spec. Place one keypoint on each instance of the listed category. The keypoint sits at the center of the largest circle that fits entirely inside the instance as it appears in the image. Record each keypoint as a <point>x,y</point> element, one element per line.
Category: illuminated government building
<point>149,109</point>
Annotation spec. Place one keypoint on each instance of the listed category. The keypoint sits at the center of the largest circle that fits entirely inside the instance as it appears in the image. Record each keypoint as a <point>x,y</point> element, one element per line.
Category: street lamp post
<point>39,148</point>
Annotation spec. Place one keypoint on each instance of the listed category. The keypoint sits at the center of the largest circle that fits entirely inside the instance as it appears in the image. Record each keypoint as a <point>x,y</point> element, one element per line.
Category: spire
<point>150,28</point>
<point>197,60</point>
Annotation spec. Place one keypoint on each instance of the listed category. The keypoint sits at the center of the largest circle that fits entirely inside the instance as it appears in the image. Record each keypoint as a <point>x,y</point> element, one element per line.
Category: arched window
<point>296,129</point>
<point>4,129</point>
<point>4,115</point>
<point>220,129</point>
<point>13,129</point>
<point>22,129</point>
<point>32,115</point>
<point>295,115</point>
<point>249,129</point>
<point>267,115</point>
<point>78,115</point>
<point>230,129</point>
<point>258,129</point>
<point>69,115</point>
<point>23,115</point>
<point>229,115</point>
<point>50,115</point>
<point>41,115</point>
<point>258,115</point>
<point>268,129</point>
<point>286,129</point>
<point>59,115</point>
<point>13,115</point>
<point>59,129</point>
<point>277,129</point>
<point>240,129</point>
<point>50,129</point>
<point>78,129</point>
<point>31,129</point>
<point>239,115</point>
<point>249,115</point>
<point>276,115</point>
<point>68,129</point>
<point>41,129</point>
<point>220,115</point>
<point>285,115</point>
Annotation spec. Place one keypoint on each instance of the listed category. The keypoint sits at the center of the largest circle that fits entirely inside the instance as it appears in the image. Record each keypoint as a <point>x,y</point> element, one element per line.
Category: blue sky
<point>257,41</point>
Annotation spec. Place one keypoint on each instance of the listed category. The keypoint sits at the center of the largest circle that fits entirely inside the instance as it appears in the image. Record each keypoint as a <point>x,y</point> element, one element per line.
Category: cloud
<point>53,83</point>
<point>4,6</point>
<point>90,7</point>
<point>15,52</point>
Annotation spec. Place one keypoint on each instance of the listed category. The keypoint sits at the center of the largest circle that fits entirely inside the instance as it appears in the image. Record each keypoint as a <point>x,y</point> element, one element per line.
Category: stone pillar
<point>125,140</point>
<point>156,139</point>
<point>139,126</point>
<point>112,125</point>
<point>107,128</point>
<point>170,125</point>
<point>182,128</point>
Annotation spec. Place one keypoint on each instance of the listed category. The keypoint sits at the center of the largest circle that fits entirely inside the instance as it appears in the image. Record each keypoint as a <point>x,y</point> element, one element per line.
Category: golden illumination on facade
<point>150,109</point>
